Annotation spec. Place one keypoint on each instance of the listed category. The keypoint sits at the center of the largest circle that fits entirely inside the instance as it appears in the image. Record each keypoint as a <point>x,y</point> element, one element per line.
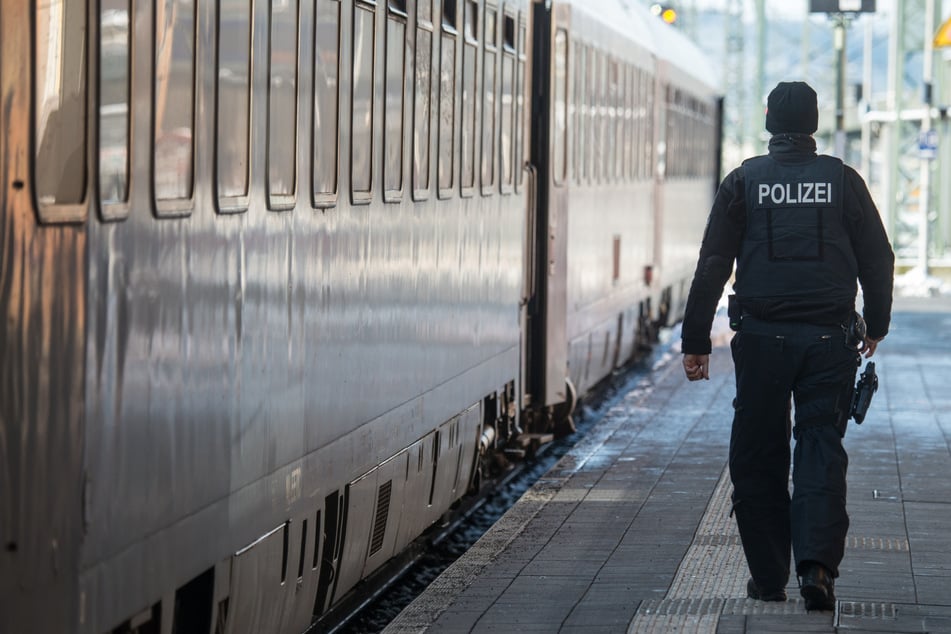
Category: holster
<point>855,330</point>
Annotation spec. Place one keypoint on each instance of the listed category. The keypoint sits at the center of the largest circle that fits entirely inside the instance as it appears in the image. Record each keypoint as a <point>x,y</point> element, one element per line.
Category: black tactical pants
<point>776,360</point>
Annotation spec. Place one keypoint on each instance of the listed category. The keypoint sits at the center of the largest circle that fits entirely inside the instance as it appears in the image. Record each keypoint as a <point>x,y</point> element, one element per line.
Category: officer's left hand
<point>697,366</point>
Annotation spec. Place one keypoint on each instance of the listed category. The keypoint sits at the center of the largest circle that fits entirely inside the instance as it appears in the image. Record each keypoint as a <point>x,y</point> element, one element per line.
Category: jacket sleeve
<point>718,251</point>
<point>873,253</point>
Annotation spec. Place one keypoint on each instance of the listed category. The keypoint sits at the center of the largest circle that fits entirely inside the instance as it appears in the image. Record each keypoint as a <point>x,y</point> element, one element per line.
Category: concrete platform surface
<point>630,531</point>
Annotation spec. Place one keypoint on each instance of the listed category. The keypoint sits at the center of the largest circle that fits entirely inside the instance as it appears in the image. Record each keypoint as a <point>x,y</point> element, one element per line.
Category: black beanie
<point>792,107</point>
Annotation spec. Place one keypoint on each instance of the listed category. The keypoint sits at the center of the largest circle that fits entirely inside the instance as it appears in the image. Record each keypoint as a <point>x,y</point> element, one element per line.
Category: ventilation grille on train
<point>382,512</point>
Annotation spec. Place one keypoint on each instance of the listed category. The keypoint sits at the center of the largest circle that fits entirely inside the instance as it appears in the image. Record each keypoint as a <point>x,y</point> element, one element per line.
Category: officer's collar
<point>792,143</point>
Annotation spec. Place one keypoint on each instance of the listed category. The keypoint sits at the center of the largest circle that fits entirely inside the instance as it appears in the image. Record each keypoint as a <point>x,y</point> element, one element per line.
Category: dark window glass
<point>114,73</point>
<point>174,99</point>
<point>396,7</point>
<point>282,104</point>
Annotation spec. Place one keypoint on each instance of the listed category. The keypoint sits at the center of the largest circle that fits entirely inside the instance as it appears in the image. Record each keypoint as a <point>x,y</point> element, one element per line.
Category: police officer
<point>801,228</point>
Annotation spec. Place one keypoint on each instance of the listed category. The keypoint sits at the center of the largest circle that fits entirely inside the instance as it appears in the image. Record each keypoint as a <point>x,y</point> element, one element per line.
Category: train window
<point>647,127</point>
<point>472,20</point>
<point>449,23</point>
<point>174,111</point>
<point>603,121</point>
<point>508,34</point>
<point>637,99</point>
<point>507,120</point>
<point>647,159</point>
<point>629,139</point>
<point>282,105</point>
<point>628,99</point>
<point>587,107</point>
<point>469,96</point>
<point>520,102</point>
<point>424,12</point>
<point>489,63</point>
<point>326,102</point>
<point>620,168</point>
<point>617,104</point>
<point>560,108</point>
<point>447,99</point>
<point>613,120</point>
<point>577,122</point>
<point>60,110</point>
<point>681,122</point>
<point>114,131</point>
<point>675,133</point>
<point>361,128</point>
<point>397,8</point>
<point>422,106</point>
<point>233,138</point>
<point>589,116</point>
<point>396,89</point>
<point>670,138</point>
<point>636,102</point>
<point>640,123</point>
<point>598,145</point>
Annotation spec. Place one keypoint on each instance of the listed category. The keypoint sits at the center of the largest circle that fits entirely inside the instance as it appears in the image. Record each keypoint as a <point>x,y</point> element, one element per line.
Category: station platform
<point>630,531</point>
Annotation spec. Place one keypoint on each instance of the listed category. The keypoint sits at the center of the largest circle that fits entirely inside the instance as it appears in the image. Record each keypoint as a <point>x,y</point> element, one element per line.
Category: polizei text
<point>795,193</point>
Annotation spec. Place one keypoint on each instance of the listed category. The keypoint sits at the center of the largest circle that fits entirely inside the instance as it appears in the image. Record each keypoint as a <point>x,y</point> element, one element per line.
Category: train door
<point>44,201</point>
<point>545,363</point>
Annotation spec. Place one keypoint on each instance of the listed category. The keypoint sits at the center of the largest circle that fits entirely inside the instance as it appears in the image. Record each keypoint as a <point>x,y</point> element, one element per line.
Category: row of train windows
<point>603,120</point>
<point>691,136</point>
<point>493,59</point>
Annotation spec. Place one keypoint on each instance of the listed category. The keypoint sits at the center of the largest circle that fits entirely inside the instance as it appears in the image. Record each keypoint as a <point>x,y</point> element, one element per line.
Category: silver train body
<point>279,278</point>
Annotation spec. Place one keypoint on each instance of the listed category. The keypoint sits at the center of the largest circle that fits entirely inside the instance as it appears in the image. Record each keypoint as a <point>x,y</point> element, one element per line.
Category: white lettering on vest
<point>796,193</point>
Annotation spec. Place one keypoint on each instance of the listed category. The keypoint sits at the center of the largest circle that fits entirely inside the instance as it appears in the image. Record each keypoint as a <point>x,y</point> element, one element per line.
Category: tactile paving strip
<point>714,565</point>
<point>711,580</point>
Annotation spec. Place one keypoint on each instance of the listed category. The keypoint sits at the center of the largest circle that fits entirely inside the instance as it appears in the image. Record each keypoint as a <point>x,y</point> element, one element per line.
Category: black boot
<point>817,587</point>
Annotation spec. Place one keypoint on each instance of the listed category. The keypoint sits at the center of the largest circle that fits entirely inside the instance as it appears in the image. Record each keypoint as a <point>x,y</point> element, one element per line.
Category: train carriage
<point>282,279</point>
<point>258,277</point>
<point>689,115</point>
<point>626,140</point>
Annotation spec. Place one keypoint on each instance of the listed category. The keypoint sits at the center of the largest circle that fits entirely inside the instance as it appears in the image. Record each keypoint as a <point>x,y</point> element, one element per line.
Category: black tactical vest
<point>795,246</point>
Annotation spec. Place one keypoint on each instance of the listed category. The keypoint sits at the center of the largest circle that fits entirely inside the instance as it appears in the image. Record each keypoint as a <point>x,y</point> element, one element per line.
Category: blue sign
<point>928,144</point>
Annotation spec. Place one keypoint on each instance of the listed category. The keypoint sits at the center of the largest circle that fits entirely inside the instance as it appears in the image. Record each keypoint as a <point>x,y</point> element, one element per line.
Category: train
<point>284,281</point>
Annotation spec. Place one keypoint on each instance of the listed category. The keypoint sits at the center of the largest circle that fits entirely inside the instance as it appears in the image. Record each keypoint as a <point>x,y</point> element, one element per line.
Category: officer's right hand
<point>870,345</point>
<point>697,366</point>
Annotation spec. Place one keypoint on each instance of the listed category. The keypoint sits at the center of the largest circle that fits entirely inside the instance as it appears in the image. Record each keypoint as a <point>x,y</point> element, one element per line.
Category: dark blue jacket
<point>796,282</point>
